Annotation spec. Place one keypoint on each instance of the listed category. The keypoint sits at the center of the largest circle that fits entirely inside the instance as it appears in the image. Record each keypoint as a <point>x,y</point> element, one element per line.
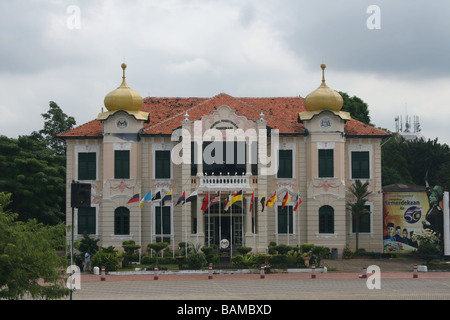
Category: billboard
<point>404,213</point>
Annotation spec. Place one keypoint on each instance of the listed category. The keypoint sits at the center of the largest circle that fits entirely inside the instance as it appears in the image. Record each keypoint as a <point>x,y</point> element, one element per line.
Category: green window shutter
<point>364,222</point>
<point>326,163</point>
<point>162,164</point>
<point>285,165</point>
<point>283,216</point>
<point>87,166</point>
<point>122,164</point>
<point>326,219</point>
<point>360,165</point>
<point>194,161</point>
<point>86,220</point>
<point>122,221</point>
<point>165,220</point>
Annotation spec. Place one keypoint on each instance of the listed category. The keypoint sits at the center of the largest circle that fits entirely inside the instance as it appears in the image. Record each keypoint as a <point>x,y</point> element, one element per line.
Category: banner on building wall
<point>404,214</point>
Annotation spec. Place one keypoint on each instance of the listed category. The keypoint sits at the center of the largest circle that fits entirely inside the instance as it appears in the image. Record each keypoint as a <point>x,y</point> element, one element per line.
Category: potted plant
<point>347,252</point>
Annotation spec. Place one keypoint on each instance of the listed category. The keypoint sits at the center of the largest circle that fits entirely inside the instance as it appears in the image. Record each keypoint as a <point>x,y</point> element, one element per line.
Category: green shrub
<point>130,254</point>
<point>148,260</point>
<point>306,247</point>
<point>244,250</point>
<point>108,258</point>
<point>282,249</point>
<point>196,260</point>
<point>157,247</point>
<point>427,251</point>
<point>278,261</point>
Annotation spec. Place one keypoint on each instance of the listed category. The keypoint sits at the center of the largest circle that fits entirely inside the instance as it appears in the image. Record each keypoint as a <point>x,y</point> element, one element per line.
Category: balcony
<point>228,182</point>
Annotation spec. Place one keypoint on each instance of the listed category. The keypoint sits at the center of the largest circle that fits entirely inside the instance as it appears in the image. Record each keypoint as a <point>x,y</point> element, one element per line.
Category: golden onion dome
<point>324,98</point>
<point>123,98</point>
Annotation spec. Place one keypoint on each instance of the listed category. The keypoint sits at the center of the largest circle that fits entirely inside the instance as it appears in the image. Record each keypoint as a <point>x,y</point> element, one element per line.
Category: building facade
<point>305,151</point>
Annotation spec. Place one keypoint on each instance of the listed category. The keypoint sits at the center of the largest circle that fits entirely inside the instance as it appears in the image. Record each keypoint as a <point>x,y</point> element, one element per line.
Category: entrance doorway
<point>220,228</point>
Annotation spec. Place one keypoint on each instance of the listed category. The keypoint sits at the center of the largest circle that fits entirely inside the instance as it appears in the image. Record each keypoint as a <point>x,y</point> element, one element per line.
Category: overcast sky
<point>394,55</point>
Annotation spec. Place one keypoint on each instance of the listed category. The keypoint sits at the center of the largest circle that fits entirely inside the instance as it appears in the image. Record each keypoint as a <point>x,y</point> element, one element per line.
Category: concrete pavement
<point>274,286</point>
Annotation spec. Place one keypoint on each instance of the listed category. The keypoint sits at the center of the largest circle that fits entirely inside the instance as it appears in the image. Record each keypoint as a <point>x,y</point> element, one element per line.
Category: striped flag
<point>167,197</point>
<point>298,200</point>
<point>182,198</point>
<point>215,199</point>
<point>286,200</point>
<point>227,203</point>
<point>271,200</point>
<point>134,198</point>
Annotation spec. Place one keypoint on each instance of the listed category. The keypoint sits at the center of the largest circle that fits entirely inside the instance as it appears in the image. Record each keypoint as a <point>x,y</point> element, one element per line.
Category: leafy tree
<point>394,161</point>
<point>56,122</point>
<point>358,109</point>
<point>157,247</point>
<point>107,257</point>
<point>28,256</point>
<point>360,191</point>
<point>411,161</point>
<point>35,177</point>
<point>87,244</point>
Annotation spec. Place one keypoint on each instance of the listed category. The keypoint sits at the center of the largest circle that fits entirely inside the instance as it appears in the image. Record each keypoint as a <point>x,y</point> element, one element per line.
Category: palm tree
<point>358,207</point>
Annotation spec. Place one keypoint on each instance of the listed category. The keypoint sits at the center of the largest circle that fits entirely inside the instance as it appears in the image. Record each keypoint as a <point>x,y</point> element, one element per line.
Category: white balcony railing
<point>225,182</point>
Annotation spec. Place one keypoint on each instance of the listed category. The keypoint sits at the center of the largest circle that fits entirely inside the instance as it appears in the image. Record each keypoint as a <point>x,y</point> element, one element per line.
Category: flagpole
<point>242,218</point>
<point>172,231</point>
<point>161,223</point>
<point>254,220</point>
<point>220,219</point>
<point>297,215</point>
<point>197,221</point>
<point>140,231</point>
<point>185,226</point>
<point>209,222</point>
<point>287,209</point>
<point>231,227</point>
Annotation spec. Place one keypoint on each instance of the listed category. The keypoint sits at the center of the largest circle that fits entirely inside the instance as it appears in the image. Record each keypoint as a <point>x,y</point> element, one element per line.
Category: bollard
<point>415,274</point>
<point>102,277</point>
<point>313,271</point>
<point>262,274</point>
<point>364,273</point>
<point>210,271</point>
<point>155,274</point>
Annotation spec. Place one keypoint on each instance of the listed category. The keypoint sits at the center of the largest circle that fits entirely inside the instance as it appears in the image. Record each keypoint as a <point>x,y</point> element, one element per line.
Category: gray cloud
<point>204,47</point>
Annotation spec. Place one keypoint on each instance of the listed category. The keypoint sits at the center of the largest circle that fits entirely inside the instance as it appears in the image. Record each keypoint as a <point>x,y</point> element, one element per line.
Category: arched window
<point>326,219</point>
<point>122,221</point>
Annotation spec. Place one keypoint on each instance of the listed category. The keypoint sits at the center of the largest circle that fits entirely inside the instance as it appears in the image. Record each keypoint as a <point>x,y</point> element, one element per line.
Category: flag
<point>286,200</point>
<point>167,197</point>
<point>192,197</point>
<point>236,197</point>
<point>297,201</point>
<point>227,203</point>
<point>263,202</point>
<point>134,198</point>
<point>205,202</point>
<point>157,196</point>
<point>215,199</point>
<point>147,197</point>
<point>251,201</point>
<point>182,198</point>
<point>271,200</point>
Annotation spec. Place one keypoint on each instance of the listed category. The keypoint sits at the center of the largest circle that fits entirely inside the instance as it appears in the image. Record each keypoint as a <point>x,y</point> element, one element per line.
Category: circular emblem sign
<point>412,214</point>
<point>122,123</point>
<point>224,243</point>
<point>325,123</point>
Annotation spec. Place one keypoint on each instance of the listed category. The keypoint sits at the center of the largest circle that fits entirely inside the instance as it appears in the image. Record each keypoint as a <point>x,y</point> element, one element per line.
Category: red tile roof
<point>166,115</point>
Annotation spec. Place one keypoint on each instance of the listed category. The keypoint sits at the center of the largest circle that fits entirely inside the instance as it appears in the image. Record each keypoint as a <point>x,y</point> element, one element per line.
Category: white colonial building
<point>217,147</point>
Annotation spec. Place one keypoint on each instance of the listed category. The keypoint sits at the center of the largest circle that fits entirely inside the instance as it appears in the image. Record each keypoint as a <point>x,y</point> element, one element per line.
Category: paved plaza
<point>280,286</point>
